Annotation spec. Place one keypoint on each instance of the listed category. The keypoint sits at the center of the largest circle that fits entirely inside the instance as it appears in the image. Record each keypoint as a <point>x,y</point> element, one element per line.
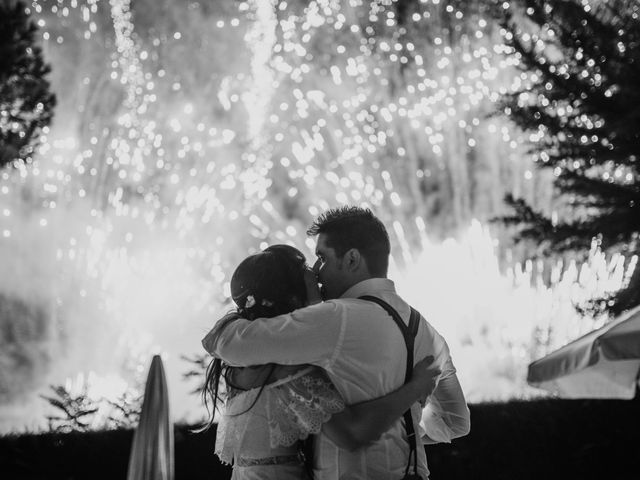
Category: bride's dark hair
<point>264,285</point>
<point>269,283</point>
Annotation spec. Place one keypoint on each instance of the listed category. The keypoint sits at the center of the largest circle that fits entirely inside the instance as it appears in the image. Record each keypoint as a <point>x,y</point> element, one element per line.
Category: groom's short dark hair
<point>355,227</point>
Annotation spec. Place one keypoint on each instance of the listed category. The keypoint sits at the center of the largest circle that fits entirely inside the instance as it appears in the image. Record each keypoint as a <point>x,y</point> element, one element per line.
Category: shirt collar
<point>369,287</point>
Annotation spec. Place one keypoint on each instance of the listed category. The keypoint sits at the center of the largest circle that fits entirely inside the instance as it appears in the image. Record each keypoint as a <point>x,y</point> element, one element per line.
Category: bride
<point>271,409</point>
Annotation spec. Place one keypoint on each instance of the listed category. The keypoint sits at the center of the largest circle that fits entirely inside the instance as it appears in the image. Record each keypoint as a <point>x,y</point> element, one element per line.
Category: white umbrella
<point>152,449</point>
<point>602,364</point>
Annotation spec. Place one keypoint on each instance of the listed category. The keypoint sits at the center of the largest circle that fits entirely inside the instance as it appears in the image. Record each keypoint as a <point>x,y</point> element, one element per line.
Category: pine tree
<point>581,105</point>
<point>26,104</point>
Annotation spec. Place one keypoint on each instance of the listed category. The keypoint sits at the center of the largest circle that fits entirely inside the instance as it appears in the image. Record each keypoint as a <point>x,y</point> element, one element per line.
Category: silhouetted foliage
<point>582,105</point>
<point>78,411</point>
<point>25,351</point>
<point>197,371</point>
<point>75,410</point>
<point>26,104</point>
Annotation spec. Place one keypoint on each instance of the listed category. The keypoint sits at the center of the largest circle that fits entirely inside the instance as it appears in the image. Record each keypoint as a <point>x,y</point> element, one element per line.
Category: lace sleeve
<point>298,407</point>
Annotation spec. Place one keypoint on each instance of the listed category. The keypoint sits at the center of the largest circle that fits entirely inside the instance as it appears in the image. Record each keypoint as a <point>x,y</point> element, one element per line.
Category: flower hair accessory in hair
<point>251,301</point>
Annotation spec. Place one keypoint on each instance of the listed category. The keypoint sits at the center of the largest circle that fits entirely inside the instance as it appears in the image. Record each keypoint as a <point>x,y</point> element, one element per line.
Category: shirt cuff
<point>434,427</point>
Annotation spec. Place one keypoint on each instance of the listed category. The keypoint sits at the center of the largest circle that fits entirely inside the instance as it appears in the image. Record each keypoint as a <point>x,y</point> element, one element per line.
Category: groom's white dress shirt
<point>364,354</point>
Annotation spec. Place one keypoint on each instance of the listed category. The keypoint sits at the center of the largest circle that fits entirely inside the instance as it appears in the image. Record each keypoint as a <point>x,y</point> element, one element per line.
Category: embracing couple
<point>343,382</point>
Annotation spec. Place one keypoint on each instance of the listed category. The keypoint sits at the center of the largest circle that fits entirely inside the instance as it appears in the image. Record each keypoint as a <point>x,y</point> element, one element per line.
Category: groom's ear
<point>352,260</point>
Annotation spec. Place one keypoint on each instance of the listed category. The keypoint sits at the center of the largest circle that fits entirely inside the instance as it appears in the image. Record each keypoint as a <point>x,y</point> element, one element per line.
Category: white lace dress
<point>259,439</point>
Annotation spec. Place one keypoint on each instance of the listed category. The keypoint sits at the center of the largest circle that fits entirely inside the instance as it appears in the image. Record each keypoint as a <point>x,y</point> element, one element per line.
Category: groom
<point>358,344</point>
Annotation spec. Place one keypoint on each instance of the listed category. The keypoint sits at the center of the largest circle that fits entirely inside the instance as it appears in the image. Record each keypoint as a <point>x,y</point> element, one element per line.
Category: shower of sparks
<point>496,322</point>
<point>222,129</point>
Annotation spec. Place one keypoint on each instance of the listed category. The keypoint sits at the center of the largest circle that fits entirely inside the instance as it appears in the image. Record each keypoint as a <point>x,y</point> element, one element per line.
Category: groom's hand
<point>426,375</point>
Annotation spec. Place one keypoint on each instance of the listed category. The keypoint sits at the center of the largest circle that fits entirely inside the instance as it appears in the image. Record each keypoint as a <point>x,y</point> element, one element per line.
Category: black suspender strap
<point>409,333</point>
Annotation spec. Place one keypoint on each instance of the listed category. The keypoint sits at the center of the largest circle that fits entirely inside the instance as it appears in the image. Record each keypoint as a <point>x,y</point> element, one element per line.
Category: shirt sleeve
<point>446,415</point>
<point>311,335</point>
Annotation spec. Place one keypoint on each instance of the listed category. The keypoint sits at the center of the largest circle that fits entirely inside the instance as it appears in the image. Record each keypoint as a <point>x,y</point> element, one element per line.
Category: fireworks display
<point>189,134</point>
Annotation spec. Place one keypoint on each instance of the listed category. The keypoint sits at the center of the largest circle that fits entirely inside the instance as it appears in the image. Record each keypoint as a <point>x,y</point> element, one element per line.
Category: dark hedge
<point>518,440</point>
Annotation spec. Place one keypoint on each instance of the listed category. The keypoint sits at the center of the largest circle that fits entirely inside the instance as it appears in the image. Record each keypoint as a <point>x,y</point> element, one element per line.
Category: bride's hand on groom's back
<point>425,376</point>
